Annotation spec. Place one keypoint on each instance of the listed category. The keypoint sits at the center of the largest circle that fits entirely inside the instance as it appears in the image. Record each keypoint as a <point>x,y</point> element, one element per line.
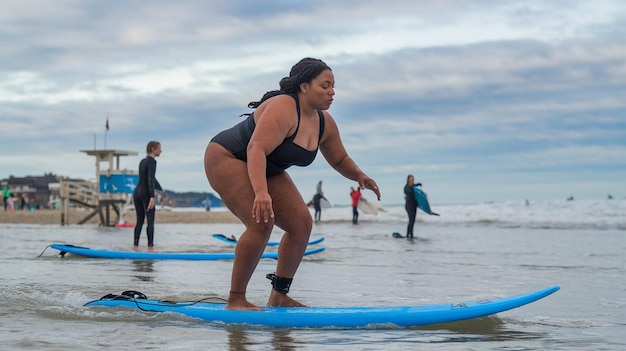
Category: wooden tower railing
<point>87,195</point>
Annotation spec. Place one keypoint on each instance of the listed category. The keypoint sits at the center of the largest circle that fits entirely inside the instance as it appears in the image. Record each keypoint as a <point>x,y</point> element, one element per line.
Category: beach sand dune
<point>76,215</point>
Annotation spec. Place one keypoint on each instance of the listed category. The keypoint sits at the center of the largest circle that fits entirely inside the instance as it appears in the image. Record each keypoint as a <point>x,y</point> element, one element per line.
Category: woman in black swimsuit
<point>143,195</point>
<point>246,166</point>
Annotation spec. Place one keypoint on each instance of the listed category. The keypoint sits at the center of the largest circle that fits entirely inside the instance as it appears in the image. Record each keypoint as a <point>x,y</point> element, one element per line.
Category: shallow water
<point>43,297</point>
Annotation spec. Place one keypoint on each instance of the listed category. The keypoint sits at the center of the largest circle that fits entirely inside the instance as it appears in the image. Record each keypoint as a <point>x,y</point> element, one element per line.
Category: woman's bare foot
<point>238,301</point>
<point>150,248</point>
<point>135,248</point>
<point>282,300</point>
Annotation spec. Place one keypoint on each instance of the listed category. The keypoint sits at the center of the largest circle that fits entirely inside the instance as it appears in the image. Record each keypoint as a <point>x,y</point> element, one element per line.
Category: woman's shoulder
<point>280,104</point>
<point>282,99</point>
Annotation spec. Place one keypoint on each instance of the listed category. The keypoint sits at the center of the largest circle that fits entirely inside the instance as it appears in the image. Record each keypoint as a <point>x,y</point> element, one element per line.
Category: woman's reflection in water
<point>239,340</point>
<point>144,270</point>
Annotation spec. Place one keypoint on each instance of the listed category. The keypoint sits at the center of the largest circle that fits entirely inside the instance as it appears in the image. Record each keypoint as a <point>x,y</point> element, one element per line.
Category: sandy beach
<point>54,217</point>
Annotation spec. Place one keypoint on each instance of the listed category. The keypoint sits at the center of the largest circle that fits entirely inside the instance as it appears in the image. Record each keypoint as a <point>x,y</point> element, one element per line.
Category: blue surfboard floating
<point>233,241</point>
<point>328,317</point>
<point>199,256</point>
<point>422,200</point>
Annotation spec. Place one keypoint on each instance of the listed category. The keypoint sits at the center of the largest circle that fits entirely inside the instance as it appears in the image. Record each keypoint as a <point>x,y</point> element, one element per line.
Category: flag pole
<point>105,133</point>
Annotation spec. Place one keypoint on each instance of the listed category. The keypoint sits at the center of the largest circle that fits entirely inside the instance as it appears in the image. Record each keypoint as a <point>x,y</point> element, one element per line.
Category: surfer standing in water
<point>246,166</point>
<point>317,202</point>
<point>143,195</point>
<point>355,195</point>
<point>410,204</point>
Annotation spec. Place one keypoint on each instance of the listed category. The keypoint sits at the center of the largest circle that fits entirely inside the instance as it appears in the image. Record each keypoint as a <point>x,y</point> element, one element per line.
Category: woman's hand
<point>366,182</point>
<point>262,207</point>
<point>151,204</point>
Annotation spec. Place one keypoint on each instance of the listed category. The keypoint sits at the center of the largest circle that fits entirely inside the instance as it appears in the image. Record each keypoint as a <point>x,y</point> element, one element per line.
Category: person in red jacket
<point>355,194</point>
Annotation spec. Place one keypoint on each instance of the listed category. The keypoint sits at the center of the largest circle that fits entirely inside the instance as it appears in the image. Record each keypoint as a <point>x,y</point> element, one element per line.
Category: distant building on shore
<point>36,189</point>
<point>43,192</point>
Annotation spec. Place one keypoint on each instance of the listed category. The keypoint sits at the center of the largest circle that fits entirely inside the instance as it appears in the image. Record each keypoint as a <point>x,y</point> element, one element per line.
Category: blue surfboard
<point>328,317</point>
<point>133,255</point>
<point>422,200</point>
<point>233,241</point>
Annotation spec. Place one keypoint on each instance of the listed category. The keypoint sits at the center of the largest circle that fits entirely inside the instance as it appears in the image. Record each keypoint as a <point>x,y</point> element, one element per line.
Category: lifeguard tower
<point>112,190</point>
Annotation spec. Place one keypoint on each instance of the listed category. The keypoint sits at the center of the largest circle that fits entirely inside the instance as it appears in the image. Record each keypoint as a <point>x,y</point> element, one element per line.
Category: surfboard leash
<point>134,296</point>
<point>62,253</point>
<point>44,250</point>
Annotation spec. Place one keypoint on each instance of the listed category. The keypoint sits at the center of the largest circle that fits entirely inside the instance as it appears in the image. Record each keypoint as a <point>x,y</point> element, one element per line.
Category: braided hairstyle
<point>302,72</point>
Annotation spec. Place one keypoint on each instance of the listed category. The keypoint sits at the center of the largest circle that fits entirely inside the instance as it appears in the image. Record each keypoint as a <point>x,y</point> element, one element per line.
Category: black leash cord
<point>44,250</point>
<point>174,304</point>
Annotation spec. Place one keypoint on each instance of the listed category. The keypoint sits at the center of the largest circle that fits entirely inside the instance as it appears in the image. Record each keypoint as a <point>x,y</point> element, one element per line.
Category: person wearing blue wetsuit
<point>246,165</point>
<point>143,195</point>
<point>410,204</point>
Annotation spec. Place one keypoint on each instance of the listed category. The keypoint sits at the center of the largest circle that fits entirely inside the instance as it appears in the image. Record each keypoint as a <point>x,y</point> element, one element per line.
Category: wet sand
<point>162,216</point>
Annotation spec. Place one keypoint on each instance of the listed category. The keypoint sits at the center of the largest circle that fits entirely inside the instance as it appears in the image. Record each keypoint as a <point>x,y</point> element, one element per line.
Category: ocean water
<point>470,252</point>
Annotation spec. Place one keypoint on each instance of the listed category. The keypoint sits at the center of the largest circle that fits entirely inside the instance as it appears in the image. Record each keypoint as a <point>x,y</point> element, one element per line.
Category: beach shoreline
<point>51,217</point>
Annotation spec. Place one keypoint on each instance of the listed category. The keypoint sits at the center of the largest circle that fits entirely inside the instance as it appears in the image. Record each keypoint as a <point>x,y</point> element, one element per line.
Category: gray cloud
<point>481,100</point>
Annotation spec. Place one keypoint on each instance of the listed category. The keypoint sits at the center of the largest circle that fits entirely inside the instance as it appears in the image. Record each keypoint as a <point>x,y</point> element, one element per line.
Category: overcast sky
<point>483,100</point>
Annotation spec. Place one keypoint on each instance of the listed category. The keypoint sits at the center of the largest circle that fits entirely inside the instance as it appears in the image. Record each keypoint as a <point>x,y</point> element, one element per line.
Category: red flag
<point>107,125</point>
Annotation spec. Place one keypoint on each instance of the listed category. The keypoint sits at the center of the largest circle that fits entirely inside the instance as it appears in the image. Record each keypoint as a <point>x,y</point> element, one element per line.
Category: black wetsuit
<point>317,198</point>
<point>411,208</point>
<point>141,197</point>
<point>285,155</point>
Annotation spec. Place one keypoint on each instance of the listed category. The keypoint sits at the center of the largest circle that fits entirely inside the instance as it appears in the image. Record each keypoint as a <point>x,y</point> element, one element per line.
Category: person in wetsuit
<point>410,204</point>
<point>317,206</point>
<point>246,165</point>
<point>143,195</point>
<point>317,201</point>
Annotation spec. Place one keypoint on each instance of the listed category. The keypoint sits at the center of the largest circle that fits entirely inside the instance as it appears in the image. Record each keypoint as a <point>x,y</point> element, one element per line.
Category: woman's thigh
<point>229,177</point>
<point>290,211</point>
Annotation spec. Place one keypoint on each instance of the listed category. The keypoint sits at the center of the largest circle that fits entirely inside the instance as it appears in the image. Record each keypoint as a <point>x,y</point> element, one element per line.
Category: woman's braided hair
<point>302,72</point>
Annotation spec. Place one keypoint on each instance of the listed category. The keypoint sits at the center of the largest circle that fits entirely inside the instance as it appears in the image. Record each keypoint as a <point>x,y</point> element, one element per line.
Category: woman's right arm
<point>273,124</point>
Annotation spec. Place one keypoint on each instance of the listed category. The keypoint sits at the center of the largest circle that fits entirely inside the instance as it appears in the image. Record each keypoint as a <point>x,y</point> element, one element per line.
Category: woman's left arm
<point>151,182</point>
<point>336,155</point>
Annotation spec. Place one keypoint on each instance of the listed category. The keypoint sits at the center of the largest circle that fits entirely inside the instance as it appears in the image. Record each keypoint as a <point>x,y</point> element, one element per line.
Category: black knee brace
<point>279,284</point>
